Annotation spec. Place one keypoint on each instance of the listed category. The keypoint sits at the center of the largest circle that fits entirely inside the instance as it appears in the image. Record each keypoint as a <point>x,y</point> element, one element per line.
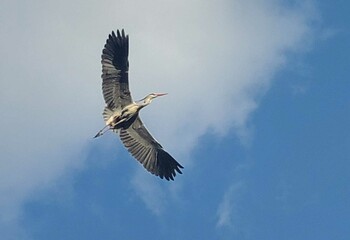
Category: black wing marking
<point>115,66</point>
<point>148,151</point>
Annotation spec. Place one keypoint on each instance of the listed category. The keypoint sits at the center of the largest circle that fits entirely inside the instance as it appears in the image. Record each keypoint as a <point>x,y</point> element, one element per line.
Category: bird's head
<point>155,95</point>
<point>148,99</point>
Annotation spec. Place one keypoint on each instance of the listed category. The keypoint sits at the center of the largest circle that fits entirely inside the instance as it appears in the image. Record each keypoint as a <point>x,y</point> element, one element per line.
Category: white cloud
<point>151,193</point>
<point>216,59</point>
<point>228,210</point>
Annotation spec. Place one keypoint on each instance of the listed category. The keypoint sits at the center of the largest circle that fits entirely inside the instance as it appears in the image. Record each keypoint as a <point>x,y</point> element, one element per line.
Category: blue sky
<point>257,112</point>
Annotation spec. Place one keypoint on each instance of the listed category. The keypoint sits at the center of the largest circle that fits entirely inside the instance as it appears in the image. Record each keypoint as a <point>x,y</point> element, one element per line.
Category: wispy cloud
<point>218,73</point>
<point>151,193</point>
<point>216,60</point>
<point>228,210</point>
<point>299,89</point>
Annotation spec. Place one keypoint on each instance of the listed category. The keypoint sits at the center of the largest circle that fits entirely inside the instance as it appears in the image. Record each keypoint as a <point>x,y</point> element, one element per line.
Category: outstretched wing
<point>115,67</point>
<point>148,151</point>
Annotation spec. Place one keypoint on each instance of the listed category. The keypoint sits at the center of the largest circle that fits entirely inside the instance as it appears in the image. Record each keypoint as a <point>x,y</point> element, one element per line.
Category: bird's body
<point>122,114</point>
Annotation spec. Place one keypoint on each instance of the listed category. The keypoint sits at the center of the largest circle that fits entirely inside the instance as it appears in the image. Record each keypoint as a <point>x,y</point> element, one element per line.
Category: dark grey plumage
<point>115,67</point>
<point>132,132</point>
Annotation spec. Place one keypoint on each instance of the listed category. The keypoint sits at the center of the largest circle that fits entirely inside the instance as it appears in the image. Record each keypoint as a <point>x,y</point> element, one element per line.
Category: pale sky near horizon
<point>258,113</point>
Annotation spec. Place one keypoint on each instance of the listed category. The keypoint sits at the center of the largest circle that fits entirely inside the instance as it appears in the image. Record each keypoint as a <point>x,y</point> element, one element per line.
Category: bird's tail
<point>107,113</point>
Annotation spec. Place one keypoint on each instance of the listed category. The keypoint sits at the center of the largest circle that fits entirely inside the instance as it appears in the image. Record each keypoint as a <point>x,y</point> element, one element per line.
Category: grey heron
<point>121,113</point>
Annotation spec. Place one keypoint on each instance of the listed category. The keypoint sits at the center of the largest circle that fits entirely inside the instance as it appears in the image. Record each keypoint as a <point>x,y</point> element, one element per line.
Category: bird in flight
<point>121,113</point>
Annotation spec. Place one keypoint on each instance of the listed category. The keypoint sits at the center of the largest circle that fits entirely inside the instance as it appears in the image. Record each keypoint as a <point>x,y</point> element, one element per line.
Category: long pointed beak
<point>160,94</point>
